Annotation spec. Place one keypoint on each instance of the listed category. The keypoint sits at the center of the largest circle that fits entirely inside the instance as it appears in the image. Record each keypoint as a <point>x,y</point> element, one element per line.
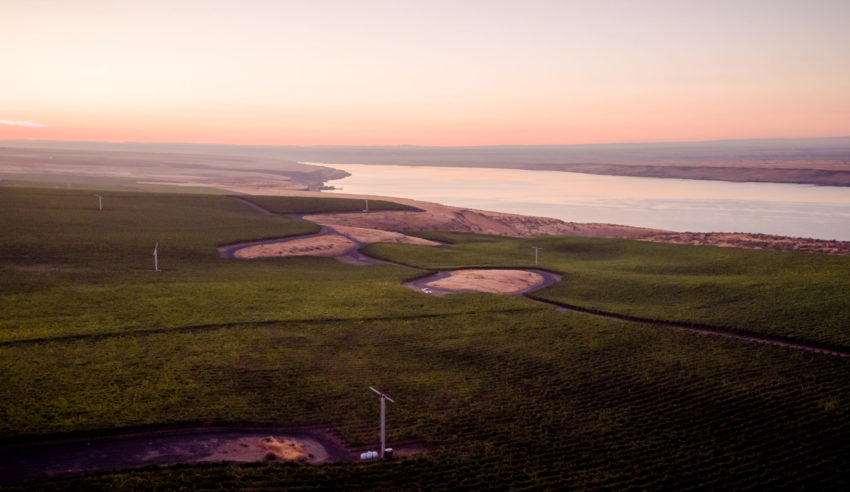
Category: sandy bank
<point>249,449</point>
<point>325,245</point>
<point>437,217</point>
<point>494,281</point>
<point>366,236</point>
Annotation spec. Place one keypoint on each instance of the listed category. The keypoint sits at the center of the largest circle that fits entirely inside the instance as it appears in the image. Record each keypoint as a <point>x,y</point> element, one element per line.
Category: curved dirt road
<point>345,242</point>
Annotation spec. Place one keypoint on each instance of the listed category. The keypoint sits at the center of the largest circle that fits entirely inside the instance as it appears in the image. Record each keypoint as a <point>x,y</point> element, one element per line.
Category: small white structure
<point>367,206</point>
<point>383,421</point>
<point>368,455</point>
<point>99,202</point>
<point>155,258</point>
<point>535,253</point>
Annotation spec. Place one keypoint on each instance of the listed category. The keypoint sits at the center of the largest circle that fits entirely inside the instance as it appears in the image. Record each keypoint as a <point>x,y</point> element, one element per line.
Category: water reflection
<point>673,204</point>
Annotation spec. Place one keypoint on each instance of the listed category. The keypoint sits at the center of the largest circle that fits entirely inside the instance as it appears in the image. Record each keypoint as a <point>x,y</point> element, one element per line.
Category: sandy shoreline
<point>438,217</point>
<point>264,175</point>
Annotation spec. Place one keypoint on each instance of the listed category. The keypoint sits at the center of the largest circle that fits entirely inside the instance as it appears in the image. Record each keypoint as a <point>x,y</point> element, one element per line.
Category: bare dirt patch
<point>753,241</point>
<point>249,449</point>
<point>166,447</point>
<point>436,217</point>
<point>325,245</point>
<point>495,281</point>
<point>364,235</point>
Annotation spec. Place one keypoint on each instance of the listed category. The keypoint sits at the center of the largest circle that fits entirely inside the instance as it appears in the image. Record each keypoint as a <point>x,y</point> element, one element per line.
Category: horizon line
<point>646,142</point>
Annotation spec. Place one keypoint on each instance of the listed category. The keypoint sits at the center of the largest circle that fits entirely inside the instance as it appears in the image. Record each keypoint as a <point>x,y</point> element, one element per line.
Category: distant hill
<point>823,161</point>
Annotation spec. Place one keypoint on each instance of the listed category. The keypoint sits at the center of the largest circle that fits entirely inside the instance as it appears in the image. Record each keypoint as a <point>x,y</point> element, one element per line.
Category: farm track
<point>706,329</point>
<point>691,327</point>
<point>239,324</point>
<point>253,205</point>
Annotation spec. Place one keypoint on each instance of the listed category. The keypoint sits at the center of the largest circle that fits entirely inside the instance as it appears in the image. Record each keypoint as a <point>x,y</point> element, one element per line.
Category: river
<point>797,210</point>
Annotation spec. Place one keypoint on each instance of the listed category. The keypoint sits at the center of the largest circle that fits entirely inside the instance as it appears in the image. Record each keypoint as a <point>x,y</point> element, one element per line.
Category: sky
<point>439,73</point>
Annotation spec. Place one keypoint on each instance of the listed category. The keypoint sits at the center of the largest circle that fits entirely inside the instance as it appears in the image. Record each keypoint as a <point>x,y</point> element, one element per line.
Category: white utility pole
<point>367,206</point>
<point>535,253</point>
<point>99,202</point>
<point>155,259</point>
<point>383,419</point>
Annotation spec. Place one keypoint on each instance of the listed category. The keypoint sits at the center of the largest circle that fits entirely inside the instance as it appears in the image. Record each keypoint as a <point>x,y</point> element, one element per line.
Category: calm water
<point>673,204</point>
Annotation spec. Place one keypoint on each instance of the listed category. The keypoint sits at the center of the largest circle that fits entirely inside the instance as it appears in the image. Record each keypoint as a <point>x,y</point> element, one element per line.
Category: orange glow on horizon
<point>379,73</point>
<point>378,133</point>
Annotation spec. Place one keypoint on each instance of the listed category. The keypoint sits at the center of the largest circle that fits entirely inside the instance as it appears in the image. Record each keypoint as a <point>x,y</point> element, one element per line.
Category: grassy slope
<point>503,390</point>
<point>797,295</point>
<point>99,184</point>
<point>542,399</point>
<point>303,204</point>
<point>100,276</point>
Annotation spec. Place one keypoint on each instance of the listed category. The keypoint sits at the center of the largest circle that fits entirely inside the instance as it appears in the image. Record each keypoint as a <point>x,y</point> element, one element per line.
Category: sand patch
<point>325,245</point>
<point>753,241</point>
<point>286,450</point>
<point>378,236</point>
<point>436,217</point>
<point>249,449</point>
<point>493,281</point>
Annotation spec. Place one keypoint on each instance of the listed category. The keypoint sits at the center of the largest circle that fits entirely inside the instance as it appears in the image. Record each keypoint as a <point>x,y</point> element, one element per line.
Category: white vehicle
<point>426,290</point>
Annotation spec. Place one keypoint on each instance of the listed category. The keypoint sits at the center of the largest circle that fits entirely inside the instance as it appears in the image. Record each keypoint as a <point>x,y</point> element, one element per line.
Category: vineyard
<point>800,296</point>
<point>538,400</point>
<point>502,391</point>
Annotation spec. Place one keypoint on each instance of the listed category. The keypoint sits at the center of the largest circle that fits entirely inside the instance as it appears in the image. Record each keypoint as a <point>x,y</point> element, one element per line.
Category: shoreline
<point>823,161</point>
<point>833,173</point>
<point>438,217</point>
<point>256,176</point>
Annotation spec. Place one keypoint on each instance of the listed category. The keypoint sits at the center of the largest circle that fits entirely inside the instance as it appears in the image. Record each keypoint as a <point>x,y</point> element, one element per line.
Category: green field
<point>305,205</point>
<point>505,392</point>
<point>100,184</point>
<point>800,296</point>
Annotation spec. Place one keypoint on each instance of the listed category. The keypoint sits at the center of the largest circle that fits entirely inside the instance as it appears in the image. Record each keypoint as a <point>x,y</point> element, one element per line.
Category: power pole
<point>383,420</point>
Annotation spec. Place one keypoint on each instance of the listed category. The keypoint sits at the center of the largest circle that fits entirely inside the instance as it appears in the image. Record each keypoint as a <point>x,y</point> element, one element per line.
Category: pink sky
<point>426,73</point>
